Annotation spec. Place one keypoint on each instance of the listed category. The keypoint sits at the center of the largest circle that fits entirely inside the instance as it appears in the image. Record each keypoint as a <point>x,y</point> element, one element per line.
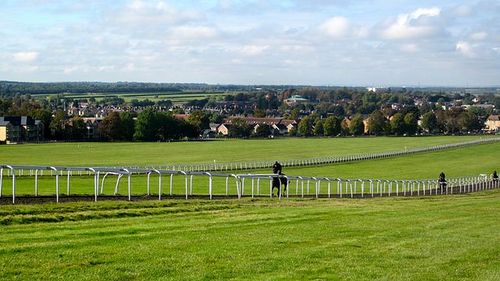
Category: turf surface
<point>141,154</point>
<point>433,238</point>
<point>459,162</point>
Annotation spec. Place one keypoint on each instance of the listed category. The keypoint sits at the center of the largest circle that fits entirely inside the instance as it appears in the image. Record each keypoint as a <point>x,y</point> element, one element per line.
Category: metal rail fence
<point>238,166</point>
<point>252,165</point>
<point>297,186</point>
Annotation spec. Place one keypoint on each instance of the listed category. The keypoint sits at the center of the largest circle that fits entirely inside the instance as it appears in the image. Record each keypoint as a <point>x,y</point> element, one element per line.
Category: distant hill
<point>34,88</point>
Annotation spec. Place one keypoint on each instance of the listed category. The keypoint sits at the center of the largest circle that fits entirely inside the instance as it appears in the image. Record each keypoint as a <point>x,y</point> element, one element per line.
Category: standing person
<point>495,176</point>
<point>277,168</point>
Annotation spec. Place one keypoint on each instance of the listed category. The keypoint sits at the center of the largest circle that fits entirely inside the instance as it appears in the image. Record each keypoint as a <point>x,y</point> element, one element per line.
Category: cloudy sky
<point>314,42</point>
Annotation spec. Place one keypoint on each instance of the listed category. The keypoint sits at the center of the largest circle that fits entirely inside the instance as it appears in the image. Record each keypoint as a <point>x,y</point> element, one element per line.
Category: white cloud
<point>129,67</point>
<point>70,69</point>
<point>336,27</point>
<point>25,56</point>
<point>461,11</point>
<point>193,32</point>
<point>148,12</point>
<point>465,49</point>
<point>410,48</point>
<point>417,24</point>
<point>105,68</point>
<point>297,48</point>
<point>253,50</point>
<point>478,36</point>
<point>234,39</point>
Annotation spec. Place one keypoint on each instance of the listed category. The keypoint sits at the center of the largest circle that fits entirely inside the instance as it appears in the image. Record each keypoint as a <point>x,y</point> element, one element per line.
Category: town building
<point>295,100</point>
<point>16,129</point>
<point>492,124</point>
<point>279,126</point>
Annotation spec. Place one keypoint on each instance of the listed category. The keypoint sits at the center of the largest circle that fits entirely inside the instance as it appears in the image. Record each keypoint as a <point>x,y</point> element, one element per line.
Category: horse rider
<point>442,181</point>
<point>278,181</point>
<point>277,168</point>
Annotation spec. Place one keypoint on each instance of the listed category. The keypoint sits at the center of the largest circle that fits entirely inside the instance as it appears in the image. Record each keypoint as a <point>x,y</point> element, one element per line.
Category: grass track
<point>465,161</point>
<point>438,238</point>
<point>123,154</point>
<point>154,96</point>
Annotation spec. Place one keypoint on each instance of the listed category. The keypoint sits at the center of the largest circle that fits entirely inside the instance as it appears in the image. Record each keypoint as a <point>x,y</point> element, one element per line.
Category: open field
<point>141,154</point>
<point>421,238</point>
<point>465,161</point>
<point>438,238</point>
<point>156,96</point>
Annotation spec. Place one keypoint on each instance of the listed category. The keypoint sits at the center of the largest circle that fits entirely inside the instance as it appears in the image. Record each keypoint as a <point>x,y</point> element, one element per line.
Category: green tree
<point>128,126</point>
<point>318,129</point>
<point>305,127</point>
<point>331,126</point>
<point>45,116</point>
<point>295,114</point>
<point>216,118</point>
<point>199,119</point>
<point>263,130</point>
<point>429,122</point>
<point>376,123</point>
<point>240,128</point>
<point>77,128</point>
<point>397,124</point>
<point>146,125</point>
<point>411,123</point>
<point>169,128</point>
<point>470,122</point>
<point>111,127</point>
<point>357,127</point>
<point>186,129</point>
<point>258,112</point>
<point>58,124</point>
<point>452,120</point>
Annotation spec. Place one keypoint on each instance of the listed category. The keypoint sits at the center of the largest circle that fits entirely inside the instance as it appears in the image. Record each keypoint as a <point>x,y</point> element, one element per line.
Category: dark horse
<point>278,181</point>
<point>442,182</point>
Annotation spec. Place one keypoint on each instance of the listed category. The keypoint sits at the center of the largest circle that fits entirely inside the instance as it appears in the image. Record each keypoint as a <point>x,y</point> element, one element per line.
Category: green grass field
<point>459,162</point>
<point>465,161</point>
<point>126,154</point>
<point>418,238</point>
<point>156,96</point>
<point>434,238</point>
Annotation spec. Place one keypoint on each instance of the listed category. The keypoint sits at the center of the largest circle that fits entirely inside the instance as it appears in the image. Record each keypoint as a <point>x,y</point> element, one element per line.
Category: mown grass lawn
<point>459,162</point>
<point>141,154</point>
<point>465,161</point>
<point>433,238</point>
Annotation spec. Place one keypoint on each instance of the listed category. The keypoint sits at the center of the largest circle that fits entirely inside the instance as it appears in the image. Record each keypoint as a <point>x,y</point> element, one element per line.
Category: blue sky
<point>315,42</point>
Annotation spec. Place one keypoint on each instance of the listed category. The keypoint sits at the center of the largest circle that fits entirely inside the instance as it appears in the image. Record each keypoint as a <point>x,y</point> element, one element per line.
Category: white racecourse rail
<point>231,166</point>
<point>297,186</point>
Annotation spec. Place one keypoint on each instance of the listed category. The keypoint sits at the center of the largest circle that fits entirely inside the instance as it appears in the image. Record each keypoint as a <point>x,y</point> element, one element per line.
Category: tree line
<point>333,113</point>
<point>455,121</point>
<point>148,125</point>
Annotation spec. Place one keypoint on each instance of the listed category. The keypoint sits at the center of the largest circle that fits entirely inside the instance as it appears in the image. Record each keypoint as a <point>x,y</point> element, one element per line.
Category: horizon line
<point>264,84</point>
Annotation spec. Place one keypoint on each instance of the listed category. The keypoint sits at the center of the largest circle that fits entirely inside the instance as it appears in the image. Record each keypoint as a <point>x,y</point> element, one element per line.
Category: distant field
<point>435,238</point>
<point>141,154</point>
<point>156,96</point>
